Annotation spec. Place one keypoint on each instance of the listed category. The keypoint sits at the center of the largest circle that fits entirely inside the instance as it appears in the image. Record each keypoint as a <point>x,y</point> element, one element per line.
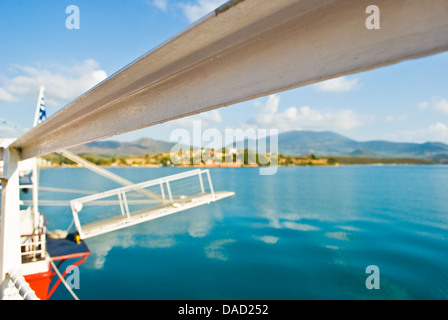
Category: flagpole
<point>35,176</point>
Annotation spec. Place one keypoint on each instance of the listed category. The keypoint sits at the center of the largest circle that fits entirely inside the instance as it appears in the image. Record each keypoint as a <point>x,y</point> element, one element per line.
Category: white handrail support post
<point>10,257</point>
<point>75,211</point>
<point>169,191</point>
<point>120,200</point>
<point>210,183</point>
<point>162,191</point>
<point>201,182</point>
<point>125,203</point>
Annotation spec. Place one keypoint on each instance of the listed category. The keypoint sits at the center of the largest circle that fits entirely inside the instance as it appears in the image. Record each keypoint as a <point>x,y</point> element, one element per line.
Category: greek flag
<point>42,111</point>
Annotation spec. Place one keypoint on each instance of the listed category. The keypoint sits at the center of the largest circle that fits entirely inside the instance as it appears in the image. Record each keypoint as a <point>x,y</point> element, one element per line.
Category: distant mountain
<point>327,143</point>
<point>297,143</point>
<point>363,154</point>
<point>292,143</point>
<point>115,148</point>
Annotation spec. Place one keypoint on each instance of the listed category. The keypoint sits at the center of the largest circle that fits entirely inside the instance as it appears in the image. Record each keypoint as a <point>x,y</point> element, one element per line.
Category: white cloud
<point>438,127</point>
<point>397,118</point>
<point>435,132</point>
<point>6,96</point>
<point>423,105</point>
<point>341,84</point>
<point>10,129</point>
<point>211,116</point>
<point>195,11</point>
<point>303,118</point>
<point>441,106</point>
<point>161,4</point>
<point>8,132</point>
<point>437,105</point>
<point>62,83</point>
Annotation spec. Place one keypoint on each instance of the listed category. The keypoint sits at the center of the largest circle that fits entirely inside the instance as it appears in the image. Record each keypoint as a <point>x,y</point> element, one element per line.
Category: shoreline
<point>163,160</point>
<point>249,166</point>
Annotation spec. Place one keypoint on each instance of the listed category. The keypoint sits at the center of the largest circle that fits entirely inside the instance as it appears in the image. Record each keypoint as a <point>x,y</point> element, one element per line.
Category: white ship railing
<point>177,192</point>
<point>160,182</point>
<point>33,247</point>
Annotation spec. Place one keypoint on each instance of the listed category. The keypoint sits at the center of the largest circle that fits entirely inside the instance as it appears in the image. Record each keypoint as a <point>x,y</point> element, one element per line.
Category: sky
<point>406,102</point>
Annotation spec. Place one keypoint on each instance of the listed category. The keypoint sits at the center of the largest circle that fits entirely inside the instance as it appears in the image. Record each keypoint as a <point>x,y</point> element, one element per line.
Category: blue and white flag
<point>42,111</point>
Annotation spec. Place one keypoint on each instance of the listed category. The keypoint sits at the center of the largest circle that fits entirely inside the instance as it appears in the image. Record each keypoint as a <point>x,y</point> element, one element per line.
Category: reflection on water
<point>267,239</point>
<point>339,235</point>
<point>299,226</point>
<point>304,233</point>
<point>158,234</point>
<point>217,250</point>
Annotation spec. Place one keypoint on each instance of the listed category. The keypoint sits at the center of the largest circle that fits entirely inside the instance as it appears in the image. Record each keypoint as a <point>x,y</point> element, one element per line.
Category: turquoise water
<point>304,233</point>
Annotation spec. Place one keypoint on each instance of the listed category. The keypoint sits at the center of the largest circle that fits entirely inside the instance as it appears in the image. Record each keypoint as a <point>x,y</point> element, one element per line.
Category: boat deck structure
<point>243,50</point>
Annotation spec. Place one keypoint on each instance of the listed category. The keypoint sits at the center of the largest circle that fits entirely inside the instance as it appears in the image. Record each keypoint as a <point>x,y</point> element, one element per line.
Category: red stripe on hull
<point>40,283</point>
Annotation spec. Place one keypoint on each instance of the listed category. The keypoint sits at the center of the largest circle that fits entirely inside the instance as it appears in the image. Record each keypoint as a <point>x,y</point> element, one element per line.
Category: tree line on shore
<point>213,158</point>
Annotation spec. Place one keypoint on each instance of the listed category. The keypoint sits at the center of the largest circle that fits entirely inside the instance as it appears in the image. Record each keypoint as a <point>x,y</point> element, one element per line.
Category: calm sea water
<point>304,233</point>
